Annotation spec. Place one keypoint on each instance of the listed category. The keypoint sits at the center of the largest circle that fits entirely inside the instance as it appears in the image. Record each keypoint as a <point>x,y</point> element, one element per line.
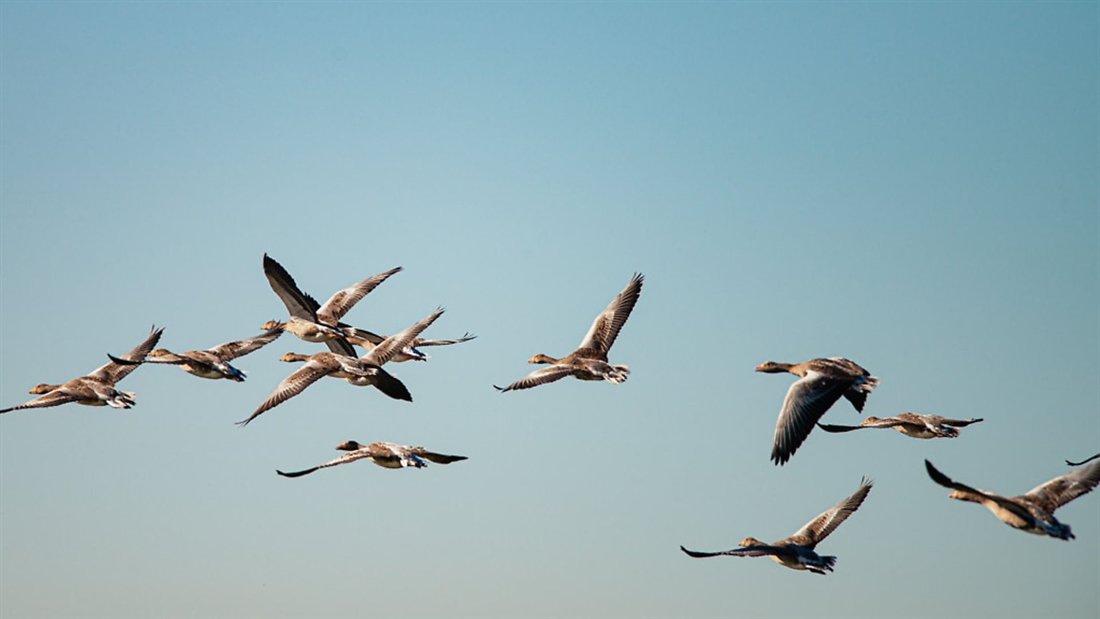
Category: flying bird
<point>822,382</point>
<point>362,372</point>
<point>212,363</point>
<point>910,424</point>
<point>311,321</point>
<point>1034,511</point>
<point>797,551</point>
<point>387,455</point>
<point>98,387</point>
<point>589,361</point>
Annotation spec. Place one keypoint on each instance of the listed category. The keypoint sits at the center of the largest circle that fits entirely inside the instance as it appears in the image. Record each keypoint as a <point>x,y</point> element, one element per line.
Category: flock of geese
<point>821,384</point>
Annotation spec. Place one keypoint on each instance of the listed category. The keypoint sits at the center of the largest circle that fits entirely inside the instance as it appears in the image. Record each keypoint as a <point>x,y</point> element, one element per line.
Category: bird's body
<point>910,424</point>
<point>213,363</point>
<point>821,383</point>
<point>386,455</point>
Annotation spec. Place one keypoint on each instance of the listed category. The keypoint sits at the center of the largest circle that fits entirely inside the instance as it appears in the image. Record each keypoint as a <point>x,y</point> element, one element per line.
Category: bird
<point>98,387</point>
<point>212,363</point>
<point>910,424</point>
<point>589,361</point>
<point>1083,461</point>
<point>1032,512</point>
<point>357,371</point>
<point>822,383</point>
<point>311,321</point>
<point>797,551</point>
<point>386,455</point>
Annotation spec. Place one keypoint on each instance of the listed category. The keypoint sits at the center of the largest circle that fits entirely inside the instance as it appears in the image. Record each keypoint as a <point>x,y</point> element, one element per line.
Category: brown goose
<point>822,383</point>
<point>386,455</point>
<point>311,321</point>
<point>1034,511</point>
<point>910,424</point>
<point>98,387</point>
<point>363,372</point>
<point>212,363</point>
<point>589,361</point>
<point>797,551</point>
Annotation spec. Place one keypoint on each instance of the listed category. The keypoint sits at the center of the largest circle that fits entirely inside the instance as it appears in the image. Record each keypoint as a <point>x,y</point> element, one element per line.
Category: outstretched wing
<point>351,456</point>
<point>819,528</point>
<point>393,344</point>
<point>115,371</point>
<point>601,335</point>
<point>297,303</point>
<point>540,376</point>
<point>343,300</point>
<point>291,386</point>
<point>435,457</point>
<point>1061,490</point>
<point>231,350</point>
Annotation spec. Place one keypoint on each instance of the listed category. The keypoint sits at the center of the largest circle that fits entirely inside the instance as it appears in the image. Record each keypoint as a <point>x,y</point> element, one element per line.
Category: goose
<point>822,382</point>
<point>386,455</point>
<point>357,371</point>
<point>910,424</point>
<point>309,320</point>
<point>212,363</point>
<point>797,551</point>
<point>1032,512</point>
<point>589,360</point>
<point>98,387</point>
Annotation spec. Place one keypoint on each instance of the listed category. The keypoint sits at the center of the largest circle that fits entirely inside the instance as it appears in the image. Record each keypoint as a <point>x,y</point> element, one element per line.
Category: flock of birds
<point>821,384</point>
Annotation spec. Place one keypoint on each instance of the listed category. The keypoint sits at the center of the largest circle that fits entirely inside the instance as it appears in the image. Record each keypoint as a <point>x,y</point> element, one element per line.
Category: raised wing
<point>115,371</point>
<point>297,303</point>
<point>393,344</point>
<point>819,528</point>
<point>601,335</point>
<point>231,350</point>
<point>1061,490</point>
<point>343,300</point>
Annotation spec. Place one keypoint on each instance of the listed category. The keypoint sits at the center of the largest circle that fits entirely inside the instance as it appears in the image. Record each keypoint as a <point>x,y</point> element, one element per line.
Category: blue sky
<point>914,186</point>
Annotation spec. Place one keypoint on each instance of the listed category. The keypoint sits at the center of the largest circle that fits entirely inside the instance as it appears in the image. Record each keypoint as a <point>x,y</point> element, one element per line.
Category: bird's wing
<point>540,376</point>
<point>297,302</point>
<point>601,335</point>
<point>351,456</point>
<point>393,344</point>
<point>806,401</point>
<point>231,350</point>
<point>1063,489</point>
<point>114,371</point>
<point>343,300</point>
<point>291,386</point>
<point>819,528</point>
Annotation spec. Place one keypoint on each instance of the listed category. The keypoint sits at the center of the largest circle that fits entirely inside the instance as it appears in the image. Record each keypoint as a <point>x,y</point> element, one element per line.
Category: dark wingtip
<point>121,361</point>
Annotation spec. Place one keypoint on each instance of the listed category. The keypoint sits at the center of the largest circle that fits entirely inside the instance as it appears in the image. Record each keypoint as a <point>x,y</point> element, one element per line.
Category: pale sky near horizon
<point>914,186</point>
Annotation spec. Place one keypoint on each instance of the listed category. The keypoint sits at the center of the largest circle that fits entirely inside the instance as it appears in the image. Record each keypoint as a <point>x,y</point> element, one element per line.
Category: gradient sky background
<point>914,186</point>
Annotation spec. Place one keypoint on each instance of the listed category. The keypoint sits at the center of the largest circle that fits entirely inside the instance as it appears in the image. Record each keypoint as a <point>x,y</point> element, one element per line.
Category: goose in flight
<point>98,387</point>
<point>822,382</point>
<point>589,361</point>
<point>357,371</point>
<point>212,363</point>
<point>797,551</point>
<point>1034,511</point>
<point>311,321</point>
<point>386,455</point>
<point>910,424</point>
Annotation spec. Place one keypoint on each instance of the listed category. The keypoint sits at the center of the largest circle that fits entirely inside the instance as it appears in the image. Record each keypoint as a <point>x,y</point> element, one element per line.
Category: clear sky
<point>914,186</point>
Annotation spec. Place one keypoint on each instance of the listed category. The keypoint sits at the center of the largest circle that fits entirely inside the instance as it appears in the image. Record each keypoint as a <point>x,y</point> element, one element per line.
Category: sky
<point>913,186</point>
